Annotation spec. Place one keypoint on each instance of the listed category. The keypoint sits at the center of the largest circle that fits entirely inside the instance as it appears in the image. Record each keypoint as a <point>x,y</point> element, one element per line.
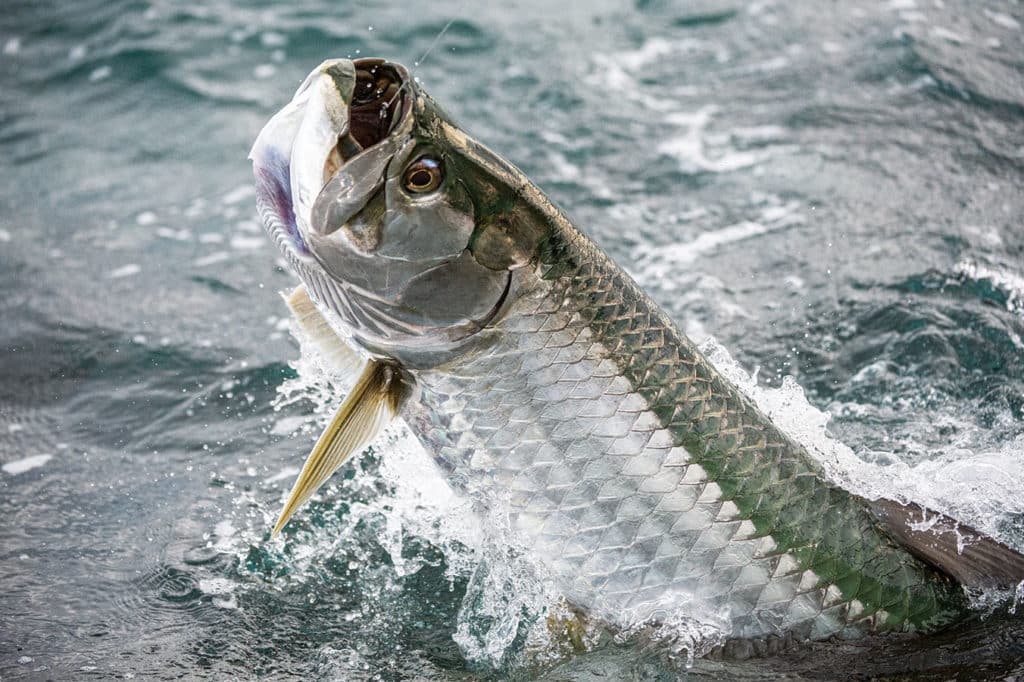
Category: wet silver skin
<point>549,386</point>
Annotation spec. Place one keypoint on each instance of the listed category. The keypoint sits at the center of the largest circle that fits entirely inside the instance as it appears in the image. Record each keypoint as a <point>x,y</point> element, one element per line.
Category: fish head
<point>401,225</point>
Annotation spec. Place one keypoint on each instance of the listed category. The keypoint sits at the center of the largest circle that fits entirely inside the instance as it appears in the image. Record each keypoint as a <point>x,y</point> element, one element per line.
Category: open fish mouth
<point>378,102</point>
<point>342,110</point>
<point>352,110</point>
<point>376,108</point>
<point>336,174</point>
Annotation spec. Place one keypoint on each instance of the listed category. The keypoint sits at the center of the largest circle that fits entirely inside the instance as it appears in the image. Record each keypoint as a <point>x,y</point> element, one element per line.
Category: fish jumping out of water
<point>550,387</point>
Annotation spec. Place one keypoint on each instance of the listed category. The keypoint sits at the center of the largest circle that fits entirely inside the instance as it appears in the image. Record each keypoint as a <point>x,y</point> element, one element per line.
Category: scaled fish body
<point>549,386</point>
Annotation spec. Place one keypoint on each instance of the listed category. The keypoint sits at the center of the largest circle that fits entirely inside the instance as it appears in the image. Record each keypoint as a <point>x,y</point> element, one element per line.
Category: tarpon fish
<point>551,388</point>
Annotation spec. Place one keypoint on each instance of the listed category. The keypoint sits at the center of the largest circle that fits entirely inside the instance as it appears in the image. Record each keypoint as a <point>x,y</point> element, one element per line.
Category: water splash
<point>395,490</point>
<point>980,488</point>
<point>397,502</point>
<point>1007,283</point>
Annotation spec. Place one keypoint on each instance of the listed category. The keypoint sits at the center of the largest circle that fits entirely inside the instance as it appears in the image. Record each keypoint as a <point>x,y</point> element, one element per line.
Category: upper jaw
<point>329,126</point>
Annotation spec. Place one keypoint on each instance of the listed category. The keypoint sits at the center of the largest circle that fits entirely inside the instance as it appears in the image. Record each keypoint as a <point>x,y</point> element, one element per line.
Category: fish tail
<point>967,555</point>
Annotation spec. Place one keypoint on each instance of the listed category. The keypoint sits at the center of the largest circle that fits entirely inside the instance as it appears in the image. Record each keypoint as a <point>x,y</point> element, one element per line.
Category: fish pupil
<point>423,175</point>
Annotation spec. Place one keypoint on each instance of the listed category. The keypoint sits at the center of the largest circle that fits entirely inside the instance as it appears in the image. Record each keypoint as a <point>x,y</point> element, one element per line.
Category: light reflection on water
<point>836,201</point>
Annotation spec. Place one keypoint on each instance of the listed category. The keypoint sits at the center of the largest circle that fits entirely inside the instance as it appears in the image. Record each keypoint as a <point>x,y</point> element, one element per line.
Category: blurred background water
<point>834,191</point>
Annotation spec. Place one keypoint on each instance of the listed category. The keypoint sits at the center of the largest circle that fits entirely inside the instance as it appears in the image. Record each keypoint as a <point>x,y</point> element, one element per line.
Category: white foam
<point>128,270</point>
<point>948,35</point>
<point>283,475</point>
<point>273,39</point>
<point>182,235</point>
<point>225,532</point>
<point>656,262</point>
<point>980,488</point>
<point>690,147</point>
<point>20,466</point>
<point>505,589</point>
<point>419,502</point>
<point>248,243</point>
<point>101,73</point>
<point>264,70</point>
<point>1004,20</point>
<point>710,241</point>
<point>222,590</point>
<point>1010,283</point>
<point>288,425</point>
<point>652,50</point>
<point>216,585</point>
<point>5,236</point>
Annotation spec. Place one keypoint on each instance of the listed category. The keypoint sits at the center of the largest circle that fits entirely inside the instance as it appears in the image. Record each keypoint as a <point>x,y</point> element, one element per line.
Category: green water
<point>833,192</point>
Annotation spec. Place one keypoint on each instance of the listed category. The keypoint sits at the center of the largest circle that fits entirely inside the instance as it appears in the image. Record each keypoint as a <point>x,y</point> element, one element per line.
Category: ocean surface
<point>828,195</point>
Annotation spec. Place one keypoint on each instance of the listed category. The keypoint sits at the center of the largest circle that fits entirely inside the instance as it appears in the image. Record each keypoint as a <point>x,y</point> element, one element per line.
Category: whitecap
<point>273,39</point>
<point>288,425</point>
<point>948,35</point>
<point>128,270</point>
<point>247,243</point>
<point>100,73</point>
<point>979,488</point>
<point>1004,20</point>
<point>1009,283</point>
<point>264,70</point>
<point>182,235</point>
<point>283,475</point>
<point>20,466</point>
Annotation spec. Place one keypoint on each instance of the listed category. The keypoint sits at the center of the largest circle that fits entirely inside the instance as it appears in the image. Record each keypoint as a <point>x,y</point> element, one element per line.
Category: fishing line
<point>424,56</point>
<point>436,39</point>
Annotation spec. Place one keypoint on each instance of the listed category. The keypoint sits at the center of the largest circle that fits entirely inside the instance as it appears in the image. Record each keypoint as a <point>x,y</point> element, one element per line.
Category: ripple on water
<point>799,188</point>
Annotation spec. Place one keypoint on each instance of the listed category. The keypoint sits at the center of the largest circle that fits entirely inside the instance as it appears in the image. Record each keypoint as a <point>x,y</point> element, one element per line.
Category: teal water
<point>833,192</point>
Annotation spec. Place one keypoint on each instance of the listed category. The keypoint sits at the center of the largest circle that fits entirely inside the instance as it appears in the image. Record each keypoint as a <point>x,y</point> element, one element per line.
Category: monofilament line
<point>429,49</point>
<point>434,43</point>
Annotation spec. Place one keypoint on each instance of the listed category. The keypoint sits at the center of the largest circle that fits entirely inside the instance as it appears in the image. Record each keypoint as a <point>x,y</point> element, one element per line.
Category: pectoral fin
<point>338,354</point>
<point>971,557</point>
<point>374,401</point>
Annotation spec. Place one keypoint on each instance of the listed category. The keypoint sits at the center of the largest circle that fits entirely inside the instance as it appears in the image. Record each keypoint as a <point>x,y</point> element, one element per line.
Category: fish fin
<point>338,354</point>
<point>965,554</point>
<point>369,407</point>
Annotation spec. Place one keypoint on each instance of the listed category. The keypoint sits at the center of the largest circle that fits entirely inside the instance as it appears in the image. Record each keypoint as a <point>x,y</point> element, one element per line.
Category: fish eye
<point>425,174</point>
